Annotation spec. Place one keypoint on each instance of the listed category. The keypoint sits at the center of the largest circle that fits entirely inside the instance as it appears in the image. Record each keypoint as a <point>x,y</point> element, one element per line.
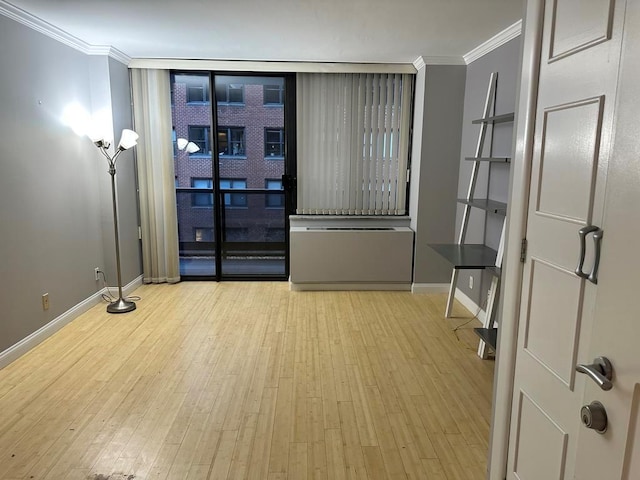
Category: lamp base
<point>121,306</point>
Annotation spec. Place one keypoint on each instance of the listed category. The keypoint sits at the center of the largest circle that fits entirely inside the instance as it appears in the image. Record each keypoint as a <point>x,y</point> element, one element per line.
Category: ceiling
<point>388,31</point>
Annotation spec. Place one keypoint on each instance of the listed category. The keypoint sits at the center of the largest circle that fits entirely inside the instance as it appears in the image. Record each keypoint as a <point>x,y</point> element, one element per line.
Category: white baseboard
<point>470,305</point>
<point>305,287</point>
<point>430,288</point>
<point>23,346</point>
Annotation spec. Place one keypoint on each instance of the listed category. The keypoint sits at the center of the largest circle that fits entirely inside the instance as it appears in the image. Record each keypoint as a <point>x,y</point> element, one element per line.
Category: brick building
<point>250,143</point>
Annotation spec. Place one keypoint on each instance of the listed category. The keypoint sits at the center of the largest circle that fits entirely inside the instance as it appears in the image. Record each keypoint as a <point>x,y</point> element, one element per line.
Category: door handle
<point>600,371</point>
<point>597,240</point>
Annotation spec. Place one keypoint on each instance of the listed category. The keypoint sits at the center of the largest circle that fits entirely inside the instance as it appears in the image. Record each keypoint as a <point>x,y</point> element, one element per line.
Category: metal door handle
<point>597,237</point>
<point>597,241</point>
<point>600,371</point>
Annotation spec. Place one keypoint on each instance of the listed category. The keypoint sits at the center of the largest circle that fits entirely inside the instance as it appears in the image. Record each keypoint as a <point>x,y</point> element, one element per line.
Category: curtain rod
<point>251,66</point>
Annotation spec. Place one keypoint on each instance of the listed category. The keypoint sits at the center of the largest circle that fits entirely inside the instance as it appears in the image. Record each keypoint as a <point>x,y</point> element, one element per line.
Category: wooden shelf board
<point>507,117</point>
<point>489,159</point>
<point>467,256</point>
<point>488,335</point>
<point>486,204</point>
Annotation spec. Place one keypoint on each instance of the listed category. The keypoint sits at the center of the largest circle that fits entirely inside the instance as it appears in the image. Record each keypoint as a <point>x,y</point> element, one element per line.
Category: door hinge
<point>523,250</point>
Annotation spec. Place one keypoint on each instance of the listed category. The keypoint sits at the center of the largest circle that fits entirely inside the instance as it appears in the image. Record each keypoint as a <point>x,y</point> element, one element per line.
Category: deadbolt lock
<point>594,416</point>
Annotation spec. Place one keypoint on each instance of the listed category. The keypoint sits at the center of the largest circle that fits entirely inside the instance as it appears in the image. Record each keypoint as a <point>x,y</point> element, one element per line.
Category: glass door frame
<point>288,178</point>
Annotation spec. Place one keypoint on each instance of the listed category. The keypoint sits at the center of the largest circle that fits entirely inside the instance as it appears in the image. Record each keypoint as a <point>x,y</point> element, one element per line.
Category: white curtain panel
<point>353,143</point>
<point>156,176</point>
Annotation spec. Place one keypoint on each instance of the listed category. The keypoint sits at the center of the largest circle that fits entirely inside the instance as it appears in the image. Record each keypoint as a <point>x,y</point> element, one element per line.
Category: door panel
<point>574,115</point>
<point>553,320</point>
<point>251,162</point>
<point>579,24</point>
<point>569,150</point>
<point>538,433</point>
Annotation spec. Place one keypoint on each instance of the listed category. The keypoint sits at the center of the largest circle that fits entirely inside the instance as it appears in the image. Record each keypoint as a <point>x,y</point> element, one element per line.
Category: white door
<point>585,172</point>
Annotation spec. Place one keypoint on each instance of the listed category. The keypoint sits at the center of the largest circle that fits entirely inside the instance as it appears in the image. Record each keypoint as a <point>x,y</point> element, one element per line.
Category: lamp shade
<point>182,142</point>
<point>128,139</point>
<point>96,134</point>
<point>192,147</point>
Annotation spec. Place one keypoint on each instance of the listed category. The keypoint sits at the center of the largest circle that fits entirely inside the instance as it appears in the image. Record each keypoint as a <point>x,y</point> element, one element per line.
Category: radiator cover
<point>351,255</point>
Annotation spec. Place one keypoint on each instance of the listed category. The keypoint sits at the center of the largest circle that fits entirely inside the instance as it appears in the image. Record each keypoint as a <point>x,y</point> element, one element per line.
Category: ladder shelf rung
<point>486,204</point>
<point>489,159</point>
<point>506,117</point>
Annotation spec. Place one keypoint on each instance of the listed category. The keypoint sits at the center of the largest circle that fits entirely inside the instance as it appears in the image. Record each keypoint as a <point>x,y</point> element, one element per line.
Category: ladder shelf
<point>478,256</point>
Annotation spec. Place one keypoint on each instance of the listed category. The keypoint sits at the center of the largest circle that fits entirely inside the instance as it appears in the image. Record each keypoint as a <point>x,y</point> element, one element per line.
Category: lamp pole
<point>128,140</point>
<point>121,305</point>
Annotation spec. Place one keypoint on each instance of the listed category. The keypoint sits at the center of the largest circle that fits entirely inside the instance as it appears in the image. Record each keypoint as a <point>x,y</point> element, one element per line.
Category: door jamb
<point>516,231</point>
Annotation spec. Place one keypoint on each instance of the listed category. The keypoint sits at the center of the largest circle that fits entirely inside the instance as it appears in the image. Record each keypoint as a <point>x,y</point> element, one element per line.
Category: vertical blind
<point>353,143</point>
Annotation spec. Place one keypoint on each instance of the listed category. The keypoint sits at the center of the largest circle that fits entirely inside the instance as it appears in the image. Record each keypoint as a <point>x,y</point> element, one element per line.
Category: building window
<point>202,199</point>
<point>198,90</point>
<point>274,142</point>
<point>203,234</point>
<point>229,93</point>
<point>199,134</point>
<point>234,199</point>
<point>231,141</point>
<point>274,200</point>
<point>274,94</point>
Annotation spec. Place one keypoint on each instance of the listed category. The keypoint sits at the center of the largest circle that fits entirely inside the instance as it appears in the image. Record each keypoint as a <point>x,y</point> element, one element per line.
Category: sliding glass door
<point>233,153</point>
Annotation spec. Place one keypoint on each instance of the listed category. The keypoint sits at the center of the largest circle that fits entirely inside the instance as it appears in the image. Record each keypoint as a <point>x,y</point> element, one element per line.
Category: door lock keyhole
<point>594,416</point>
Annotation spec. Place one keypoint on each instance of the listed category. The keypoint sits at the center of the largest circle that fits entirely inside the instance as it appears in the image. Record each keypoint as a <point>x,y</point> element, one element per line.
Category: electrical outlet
<point>45,301</point>
<point>470,282</point>
<point>97,273</point>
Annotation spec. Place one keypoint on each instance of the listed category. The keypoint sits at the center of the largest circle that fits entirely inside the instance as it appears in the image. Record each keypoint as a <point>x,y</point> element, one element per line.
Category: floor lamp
<point>128,140</point>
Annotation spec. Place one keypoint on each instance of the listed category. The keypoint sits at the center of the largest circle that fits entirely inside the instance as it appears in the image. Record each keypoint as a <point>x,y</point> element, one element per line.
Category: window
<point>274,200</point>
<point>274,142</point>
<point>231,141</point>
<point>353,146</point>
<point>273,94</point>
<point>234,199</point>
<point>199,134</point>
<point>229,93</point>
<point>198,90</point>
<point>202,199</point>
<point>203,234</point>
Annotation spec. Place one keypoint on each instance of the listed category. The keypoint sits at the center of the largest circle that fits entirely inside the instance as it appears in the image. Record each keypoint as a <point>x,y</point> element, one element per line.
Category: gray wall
<point>51,182</point>
<point>487,228</point>
<point>434,166</point>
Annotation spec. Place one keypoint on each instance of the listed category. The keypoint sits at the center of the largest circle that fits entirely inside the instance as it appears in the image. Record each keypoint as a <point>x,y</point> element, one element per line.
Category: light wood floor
<point>249,380</point>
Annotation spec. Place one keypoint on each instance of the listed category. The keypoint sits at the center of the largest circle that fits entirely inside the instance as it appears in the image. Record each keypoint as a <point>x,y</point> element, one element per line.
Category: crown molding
<point>422,62</point>
<point>109,52</point>
<point>51,31</point>
<point>494,42</point>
